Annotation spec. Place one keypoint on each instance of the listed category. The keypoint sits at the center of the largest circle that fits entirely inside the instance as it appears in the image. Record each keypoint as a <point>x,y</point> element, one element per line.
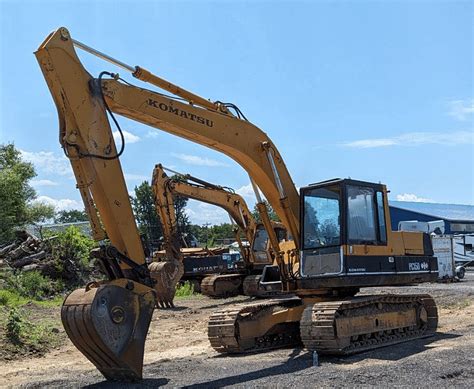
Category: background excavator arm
<point>231,202</point>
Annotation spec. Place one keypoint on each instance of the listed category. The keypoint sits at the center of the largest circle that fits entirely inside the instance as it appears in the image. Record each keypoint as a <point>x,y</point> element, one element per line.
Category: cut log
<point>34,258</point>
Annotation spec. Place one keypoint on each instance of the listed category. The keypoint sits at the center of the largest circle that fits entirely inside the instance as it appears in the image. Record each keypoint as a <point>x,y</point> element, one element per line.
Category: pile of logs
<point>29,253</point>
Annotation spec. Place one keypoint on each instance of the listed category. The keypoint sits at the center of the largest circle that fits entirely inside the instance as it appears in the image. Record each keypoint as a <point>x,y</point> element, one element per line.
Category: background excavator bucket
<point>108,323</point>
<point>167,275</point>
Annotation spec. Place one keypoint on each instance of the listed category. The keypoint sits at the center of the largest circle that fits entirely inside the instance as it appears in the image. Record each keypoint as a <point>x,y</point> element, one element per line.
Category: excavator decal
<point>178,112</point>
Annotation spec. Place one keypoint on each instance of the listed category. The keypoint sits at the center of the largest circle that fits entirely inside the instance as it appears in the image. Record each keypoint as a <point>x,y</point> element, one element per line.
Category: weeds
<point>13,328</point>
<point>22,336</point>
<point>185,289</point>
<point>11,299</point>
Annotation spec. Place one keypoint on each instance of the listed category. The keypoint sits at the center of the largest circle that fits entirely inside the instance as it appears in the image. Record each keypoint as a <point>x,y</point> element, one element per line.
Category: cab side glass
<point>381,217</point>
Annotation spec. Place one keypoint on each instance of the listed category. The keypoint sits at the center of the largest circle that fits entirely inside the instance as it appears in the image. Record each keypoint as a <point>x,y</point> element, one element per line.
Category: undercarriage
<point>323,324</point>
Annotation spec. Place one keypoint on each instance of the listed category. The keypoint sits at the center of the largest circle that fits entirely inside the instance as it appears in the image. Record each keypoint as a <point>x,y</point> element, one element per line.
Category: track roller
<point>264,325</point>
<point>222,285</point>
<point>367,322</point>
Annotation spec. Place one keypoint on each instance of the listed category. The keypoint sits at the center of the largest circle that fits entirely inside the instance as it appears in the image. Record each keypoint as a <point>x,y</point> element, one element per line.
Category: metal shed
<point>459,219</point>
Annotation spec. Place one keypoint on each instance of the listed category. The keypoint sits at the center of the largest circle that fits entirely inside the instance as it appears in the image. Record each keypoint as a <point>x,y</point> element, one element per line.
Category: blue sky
<point>378,91</point>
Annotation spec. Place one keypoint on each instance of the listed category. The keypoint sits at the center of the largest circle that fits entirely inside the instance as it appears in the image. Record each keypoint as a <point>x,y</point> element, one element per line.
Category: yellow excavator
<point>256,256</point>
<point>341,236</point>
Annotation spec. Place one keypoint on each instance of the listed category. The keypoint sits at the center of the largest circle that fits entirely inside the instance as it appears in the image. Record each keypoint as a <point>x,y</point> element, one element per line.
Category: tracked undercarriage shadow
<point>146,383</point>
<point>295,363</point>
<point>392,352</point>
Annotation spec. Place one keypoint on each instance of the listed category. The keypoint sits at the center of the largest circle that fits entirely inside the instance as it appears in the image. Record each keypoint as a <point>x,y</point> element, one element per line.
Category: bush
<point>185,289</point>
<point>13,328</point>
<point>34,285</point>
<point>11,298</point>
<point>71,252</point>
<point>31,285</point>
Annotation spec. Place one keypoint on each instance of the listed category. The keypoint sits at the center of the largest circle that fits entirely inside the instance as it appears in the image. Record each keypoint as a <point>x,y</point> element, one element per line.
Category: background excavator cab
<point>261,244</point>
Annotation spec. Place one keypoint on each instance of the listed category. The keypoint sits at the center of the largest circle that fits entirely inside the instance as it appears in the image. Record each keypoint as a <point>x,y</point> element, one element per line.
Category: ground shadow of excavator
<point>298,360</point>
<point>145,383</point>
<point>394,352</point>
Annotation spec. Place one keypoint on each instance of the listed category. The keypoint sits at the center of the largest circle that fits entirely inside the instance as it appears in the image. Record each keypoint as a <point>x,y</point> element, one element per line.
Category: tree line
<point>18,208</point>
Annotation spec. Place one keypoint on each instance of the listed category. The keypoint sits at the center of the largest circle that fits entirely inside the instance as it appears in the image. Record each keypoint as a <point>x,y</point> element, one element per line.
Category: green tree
<point>71,216</point>
<point>149,224</point>
<point>271,213</point>
<point>212,235</point>
<point>16,195</point>
<point>145,213</point>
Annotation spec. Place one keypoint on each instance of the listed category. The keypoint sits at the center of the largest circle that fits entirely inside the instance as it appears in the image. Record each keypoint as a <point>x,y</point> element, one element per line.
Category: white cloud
<point>37,183</point>
<point>60,204</point>
<point>153,134</point>
<point>128,136</point>
<point>416,139</point>
<point>461,109</point>
<point>203,213</point>
<point>413,198</point>
<point>136,177</point>
<point>198,161</point>
<point>48,162</point>
<point>247,193</point>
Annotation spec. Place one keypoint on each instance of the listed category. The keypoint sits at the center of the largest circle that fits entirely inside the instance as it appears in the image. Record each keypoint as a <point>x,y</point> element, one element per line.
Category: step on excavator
<point>340,229</point>
<point>256,256</point>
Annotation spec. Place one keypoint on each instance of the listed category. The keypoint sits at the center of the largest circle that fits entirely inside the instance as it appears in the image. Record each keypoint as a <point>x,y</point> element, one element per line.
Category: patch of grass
<point>53,302</point>
<point>24,337</point>
<point>31,285</point>
<point>12,299</point>
<point>458,304</point>
<point>184,290</point>
<point>463,303</point>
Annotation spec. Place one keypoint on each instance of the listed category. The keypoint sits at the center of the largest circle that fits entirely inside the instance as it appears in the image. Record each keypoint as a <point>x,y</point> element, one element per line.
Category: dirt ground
<point>178,354</point>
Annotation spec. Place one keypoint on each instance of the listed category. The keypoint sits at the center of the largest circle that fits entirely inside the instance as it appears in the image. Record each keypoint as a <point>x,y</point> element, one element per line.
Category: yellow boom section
<point>87,140</point>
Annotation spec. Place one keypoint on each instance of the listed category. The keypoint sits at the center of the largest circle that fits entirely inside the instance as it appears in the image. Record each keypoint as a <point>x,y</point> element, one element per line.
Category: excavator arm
<point>167,273</point>
<point>108,322</point>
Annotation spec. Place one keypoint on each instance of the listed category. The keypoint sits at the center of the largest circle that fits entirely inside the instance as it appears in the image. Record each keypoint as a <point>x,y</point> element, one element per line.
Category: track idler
<point>108,322</point>
<point>167,275</point>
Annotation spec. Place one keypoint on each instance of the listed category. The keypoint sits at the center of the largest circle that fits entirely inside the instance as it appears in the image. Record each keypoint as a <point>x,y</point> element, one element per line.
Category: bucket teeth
<point>108,324</point>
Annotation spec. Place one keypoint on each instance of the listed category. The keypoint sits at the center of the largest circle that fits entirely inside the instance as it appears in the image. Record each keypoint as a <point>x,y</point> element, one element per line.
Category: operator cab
<point>344,233</point>
<point>261,243</point>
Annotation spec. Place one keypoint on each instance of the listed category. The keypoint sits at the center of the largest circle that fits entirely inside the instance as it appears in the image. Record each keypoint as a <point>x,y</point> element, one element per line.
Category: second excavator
<point>256,256</point>
<point>340,229</point>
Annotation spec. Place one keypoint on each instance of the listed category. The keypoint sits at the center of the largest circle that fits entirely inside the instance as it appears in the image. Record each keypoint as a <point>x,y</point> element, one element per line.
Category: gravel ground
<point>178,355</point>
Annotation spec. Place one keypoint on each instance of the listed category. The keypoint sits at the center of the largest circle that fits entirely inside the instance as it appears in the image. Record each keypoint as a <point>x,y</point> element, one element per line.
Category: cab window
<point>361,215</point>
<point>381,218</point>
<point>321,215</point>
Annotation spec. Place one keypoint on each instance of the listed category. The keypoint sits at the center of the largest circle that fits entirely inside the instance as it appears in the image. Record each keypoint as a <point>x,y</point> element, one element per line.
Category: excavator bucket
<point>167,275</point>
<point>108,323</point>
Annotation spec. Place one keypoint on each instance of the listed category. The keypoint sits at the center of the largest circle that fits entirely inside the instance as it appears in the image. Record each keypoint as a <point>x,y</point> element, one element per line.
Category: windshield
<point>321,225</point>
